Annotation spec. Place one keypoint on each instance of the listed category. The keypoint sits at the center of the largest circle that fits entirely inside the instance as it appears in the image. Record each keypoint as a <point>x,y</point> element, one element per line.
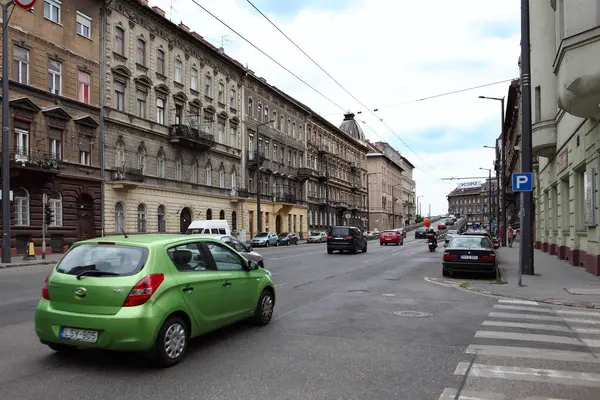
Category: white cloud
<point>385,52</point>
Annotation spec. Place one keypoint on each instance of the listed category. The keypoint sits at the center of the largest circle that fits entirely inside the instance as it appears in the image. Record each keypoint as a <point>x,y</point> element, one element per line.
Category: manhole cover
<point>357,291</point>
<point>413,314</point>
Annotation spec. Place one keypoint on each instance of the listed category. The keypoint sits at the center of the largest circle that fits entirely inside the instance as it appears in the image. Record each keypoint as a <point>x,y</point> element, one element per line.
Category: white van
<point>209,227</point>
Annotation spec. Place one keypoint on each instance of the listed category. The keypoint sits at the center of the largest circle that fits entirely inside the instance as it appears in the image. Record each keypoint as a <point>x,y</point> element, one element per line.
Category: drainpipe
<point>102,104</point>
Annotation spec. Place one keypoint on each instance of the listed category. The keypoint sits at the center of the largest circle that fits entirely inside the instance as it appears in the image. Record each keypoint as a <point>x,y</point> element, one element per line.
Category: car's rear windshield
<point>114,260</point>
<point>390,232</point>
<point>469,242</point>
<point>262,234</point>
<point>283,234</point>
<point>340,231</point>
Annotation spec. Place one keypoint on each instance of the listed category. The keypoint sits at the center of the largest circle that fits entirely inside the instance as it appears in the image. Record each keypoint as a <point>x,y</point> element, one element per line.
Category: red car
<point>393,237</point>
<point>441,227</point>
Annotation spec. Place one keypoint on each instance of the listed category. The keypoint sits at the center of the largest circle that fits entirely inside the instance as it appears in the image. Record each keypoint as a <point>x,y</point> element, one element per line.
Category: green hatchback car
<point>150,293</point>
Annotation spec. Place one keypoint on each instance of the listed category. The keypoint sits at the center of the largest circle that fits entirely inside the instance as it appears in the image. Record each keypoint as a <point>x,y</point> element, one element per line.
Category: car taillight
<point>488,258</point>
<point>450,256</point>
<point>348,238</point>
<point>143,290</point>
<point>329,237</point>
<point>45,292</point>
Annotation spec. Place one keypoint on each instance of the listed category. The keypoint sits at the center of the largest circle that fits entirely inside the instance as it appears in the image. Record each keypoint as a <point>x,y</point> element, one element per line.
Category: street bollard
<point>30,252</point>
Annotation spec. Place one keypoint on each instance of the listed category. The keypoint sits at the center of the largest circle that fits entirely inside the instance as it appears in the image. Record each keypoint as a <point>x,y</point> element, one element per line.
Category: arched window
<point>21,201</point>
<point>208,86</point>
<point>289,127</point>
<point>119,217</point>
<point>293,129</point>
<point>178,168</point>
<point>208,174</point>
<point>178,71</point>
<point>194,171</point>
<point>160,165</point>
<point>161,219</point>
<point>142,225</point>
<point>141,158</point>
<point>209,214</point>
<point>221,177</point>
<point>233,178</point>
<point>259,112</point>
<point>120,154</point>
<point>56,207</point>
<point>266,118</point>
<point>275,119</point>
<point>250,107</point>
<point>281,126</point>
<point>222,214</point>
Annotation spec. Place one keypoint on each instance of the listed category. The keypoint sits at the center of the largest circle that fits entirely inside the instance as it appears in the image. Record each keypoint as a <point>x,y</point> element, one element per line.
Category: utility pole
<point>368,206</point>
<point>491,206</point>
<point>44,200</point>
<point>526,242</point>
<point>327,208</point>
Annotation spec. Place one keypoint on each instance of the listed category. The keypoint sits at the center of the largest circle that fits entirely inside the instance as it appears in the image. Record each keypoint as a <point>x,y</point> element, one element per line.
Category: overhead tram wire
<point>338,83</point>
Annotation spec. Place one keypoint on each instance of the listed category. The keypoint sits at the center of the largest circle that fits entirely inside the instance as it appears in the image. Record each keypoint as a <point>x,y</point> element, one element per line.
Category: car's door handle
<point>187,289</point>
<point>226,284</point>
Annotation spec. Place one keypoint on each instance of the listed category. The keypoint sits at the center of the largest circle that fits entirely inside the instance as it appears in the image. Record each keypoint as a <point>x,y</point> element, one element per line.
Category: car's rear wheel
<point>264,309</point>
<point>329,251</point>
<point>445,272</point>
<point>266,244</point>
<point>172,341</point>
<point>364,250</point>
<point>61,348</point>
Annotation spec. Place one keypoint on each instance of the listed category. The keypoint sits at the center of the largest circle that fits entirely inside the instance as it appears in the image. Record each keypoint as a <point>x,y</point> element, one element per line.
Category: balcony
<point>192,137</point>
<point>305,173</point>
<point>126,178</point>
<point>355,186</point>
<point>341,205</point>
<point>286,198</point>
<point>255,157</point>
<point>33,160</point>
<point>243,192</point>
<point>543,138</point>
<point>314,199</point>
<point>323,149</point>
<point>354,167</point>
<point>322,175</point>
<point>578,71</point>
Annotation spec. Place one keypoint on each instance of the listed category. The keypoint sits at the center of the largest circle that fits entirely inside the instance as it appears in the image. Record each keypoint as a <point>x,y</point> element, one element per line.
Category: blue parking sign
<point>522,182</point>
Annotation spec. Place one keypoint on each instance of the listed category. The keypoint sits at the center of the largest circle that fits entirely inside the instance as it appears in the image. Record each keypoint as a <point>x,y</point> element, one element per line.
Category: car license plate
<point>79,335</point>
<point>469,257</point>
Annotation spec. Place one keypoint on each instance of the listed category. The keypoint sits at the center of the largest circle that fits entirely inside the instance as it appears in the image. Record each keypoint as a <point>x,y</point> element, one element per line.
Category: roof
<point>408,162</point>
<point>145,240</point>
<point>464,192</point>
<point>351,128</point>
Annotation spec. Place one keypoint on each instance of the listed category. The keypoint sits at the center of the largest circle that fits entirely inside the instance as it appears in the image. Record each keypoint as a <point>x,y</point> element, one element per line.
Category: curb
<point>17,265</point>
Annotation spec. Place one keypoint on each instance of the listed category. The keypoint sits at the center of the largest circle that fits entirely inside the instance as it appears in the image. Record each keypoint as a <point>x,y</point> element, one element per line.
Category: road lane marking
<point>517,301</point>
<point>542,318</point>
<point>521,308</point>
<point>304,306</point>
<point>534,337</point>
<point>570,378</point>
<point>450,394</point>
<point>532,352</point>
<point>294,255</point>
<point>280,284</point>
<point>541,327</point>
<point>582,313</point>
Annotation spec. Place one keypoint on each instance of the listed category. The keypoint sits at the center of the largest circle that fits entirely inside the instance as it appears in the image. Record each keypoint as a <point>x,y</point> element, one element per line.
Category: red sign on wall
<point>25,4</point>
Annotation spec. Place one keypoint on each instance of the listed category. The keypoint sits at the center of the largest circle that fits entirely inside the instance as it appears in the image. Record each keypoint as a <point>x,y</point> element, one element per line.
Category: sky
<point>388,54</point>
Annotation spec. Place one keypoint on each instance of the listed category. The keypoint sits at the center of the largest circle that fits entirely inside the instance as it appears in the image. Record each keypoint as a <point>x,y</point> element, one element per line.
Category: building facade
<point>173,146</point>
<point>335,173</point>
<point>565,37</point>
<point>512,143</point>
<point>275,144</point>
<point>385,191</point>
<point>54,60</point>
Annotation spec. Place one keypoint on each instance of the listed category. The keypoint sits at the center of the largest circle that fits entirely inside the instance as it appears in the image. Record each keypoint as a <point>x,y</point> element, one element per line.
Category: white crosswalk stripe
<point>545,352</point>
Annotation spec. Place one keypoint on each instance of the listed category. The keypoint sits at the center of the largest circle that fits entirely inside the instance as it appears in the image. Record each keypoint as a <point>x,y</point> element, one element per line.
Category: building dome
<point>351,128</point>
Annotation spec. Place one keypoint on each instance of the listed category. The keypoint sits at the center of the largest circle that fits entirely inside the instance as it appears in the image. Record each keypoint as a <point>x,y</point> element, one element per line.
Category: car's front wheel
<point>264,308</point>
<point>172,341</point>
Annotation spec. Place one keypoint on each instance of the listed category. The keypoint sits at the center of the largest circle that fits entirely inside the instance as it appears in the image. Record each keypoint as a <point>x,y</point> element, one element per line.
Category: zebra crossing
<point>525,350</point>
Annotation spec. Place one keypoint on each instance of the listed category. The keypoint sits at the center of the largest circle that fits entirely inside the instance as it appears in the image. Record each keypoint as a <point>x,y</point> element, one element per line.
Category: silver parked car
<point>317,237</point>
<point>244,250</point>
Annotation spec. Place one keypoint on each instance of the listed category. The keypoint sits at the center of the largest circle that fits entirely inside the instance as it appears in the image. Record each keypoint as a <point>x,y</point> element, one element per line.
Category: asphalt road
<point>334,336</point>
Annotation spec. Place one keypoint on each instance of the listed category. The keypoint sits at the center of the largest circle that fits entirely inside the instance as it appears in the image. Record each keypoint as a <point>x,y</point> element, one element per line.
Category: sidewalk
<point>17,261</point>
<point>554,281</point>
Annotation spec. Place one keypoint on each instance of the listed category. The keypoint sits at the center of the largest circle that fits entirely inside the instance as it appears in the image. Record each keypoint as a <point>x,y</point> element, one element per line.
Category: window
<point>225,258</point>
<point>160,110</point>
<point>52,10</point>
<point>250,107</point>
<point>54,77</point>
<point>160,165</point>
<point>22,142</point>
<point>141,158</point>
<point>119,96</point>
<point>21,202</point>
<point>119,217</point>
<point>221,93</point>
<point>208,86</point>
<point>233,131</point>
<point>141,52</point>
<point>266,117</point>
<point>178,114</point>
<point>141,103</point>
<point>221,177</point>
<point>208,173</point>
<point>55,206</point>
<point>83,87</point>
<point>281,123</point>
<point>178,71</point>
<point>293,129</point>
<point>160,62</point>
<point>221,131</point>
<point>194,79</point>
<point>289,126</point>
<point>141,219</point>
<point>84,157</point>
<point>119,45</point>
<point>83,26</point>
<point>538,104</point>
<point>194,172</point>
<point>179,169</point>
<point>161,221</point>
<point>232,98</point>
<point>233,179</point>
<point>189,257</point>
<point>259,112</point>
<point>120,154</point>
<point>21,65</point>
<point>55,143</point>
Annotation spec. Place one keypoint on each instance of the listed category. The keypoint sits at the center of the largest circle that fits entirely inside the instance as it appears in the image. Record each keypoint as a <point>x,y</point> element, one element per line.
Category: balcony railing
<point>254,157</point>
<point>191,136</point>
<point>243,192</point>
<point>323,149</point>
<point>127,174</point>
<point>288,198</point>
<point>305,172</point>
<point>24,157</point>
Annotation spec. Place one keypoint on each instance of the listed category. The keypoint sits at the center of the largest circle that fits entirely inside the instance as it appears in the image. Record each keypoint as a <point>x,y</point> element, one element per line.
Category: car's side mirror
<point>249,249</point>
<point>252,265</point>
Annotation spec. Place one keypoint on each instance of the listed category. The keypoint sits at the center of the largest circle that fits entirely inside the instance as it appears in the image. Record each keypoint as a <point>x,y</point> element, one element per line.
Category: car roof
<point>149,240</point>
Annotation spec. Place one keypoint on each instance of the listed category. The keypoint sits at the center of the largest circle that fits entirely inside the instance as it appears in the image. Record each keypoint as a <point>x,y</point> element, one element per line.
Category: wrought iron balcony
<point>323,149</point>
<point>341,205</point>
<point>127,175</point>
<point>354,167</point>
<point>288,198</point>
<point>34,159</point>
<point>191,136</point>
<point>305,172</point>
<point>254,157</point>
<point>243,192</point>
<point>322,174</point>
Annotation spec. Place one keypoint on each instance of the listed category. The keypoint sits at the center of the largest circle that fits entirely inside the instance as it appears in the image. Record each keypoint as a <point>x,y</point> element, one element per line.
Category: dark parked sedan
<point>470,253</point>
<point>288,238</point>
<point>346,238</point>
<point>421,233</point>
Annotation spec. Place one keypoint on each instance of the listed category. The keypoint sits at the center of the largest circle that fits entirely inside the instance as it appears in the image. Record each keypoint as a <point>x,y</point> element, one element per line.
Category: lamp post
<point>489,170</point>
<point>418,205</point>
<point>497,165</point>
<point>502,161</point>
<point>258,188</point>
<point>394,206</point>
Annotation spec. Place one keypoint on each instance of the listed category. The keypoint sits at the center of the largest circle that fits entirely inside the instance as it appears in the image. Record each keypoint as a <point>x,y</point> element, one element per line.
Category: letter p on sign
<point>25,4</point>
<point>522,182</point>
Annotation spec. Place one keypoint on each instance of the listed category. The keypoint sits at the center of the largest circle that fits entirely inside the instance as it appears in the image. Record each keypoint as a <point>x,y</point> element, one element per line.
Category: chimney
<point>184,27</point>
<point>143,2</point>
<point>221,50</point>
<point>159,11</point>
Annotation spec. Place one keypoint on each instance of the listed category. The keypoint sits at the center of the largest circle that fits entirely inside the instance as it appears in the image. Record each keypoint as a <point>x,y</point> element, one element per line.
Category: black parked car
<point>470,253</point>
<point>288,238</point>
<point>346,238</point>
<point>421,233</point>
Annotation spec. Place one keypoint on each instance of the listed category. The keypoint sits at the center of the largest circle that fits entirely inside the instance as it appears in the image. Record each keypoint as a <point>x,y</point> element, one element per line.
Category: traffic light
<point>49,216</point>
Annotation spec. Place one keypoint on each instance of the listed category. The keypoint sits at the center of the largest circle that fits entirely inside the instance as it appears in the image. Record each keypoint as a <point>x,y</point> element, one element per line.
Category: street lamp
<point>258,162</point>
<point>502,165</point>
<point>394,206</point>
<point>489,170</point>
<point>497,164</point>
<point>419,206</point>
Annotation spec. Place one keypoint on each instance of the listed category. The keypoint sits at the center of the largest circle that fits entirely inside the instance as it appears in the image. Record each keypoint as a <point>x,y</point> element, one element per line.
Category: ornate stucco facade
<point>385,191</point>
<point>173,147</point>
